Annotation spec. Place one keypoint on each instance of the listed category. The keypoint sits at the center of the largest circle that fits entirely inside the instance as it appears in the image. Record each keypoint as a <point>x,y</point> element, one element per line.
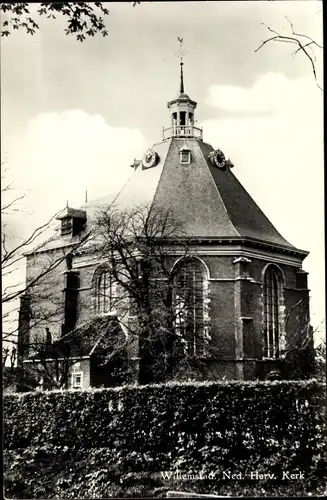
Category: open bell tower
<point>182,111</point>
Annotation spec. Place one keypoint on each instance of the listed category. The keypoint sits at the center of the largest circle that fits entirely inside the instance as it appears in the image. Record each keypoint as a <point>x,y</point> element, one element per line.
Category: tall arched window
<point>106,292</point>
<point>273,312</point>
<point>190,305</point>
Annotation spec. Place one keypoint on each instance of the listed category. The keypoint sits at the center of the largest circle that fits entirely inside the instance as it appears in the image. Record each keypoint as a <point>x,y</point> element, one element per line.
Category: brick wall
<point>235,308</point>
<point>236,312</point>
<point>47,294</point>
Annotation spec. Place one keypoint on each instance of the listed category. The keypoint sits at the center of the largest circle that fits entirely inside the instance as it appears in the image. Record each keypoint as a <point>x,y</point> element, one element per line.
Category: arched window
<point>190,305</point>
<point>273,312</point>
<point>106,292</point>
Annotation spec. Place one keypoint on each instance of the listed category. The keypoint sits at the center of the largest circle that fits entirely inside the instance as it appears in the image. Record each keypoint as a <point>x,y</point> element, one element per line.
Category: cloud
<point>271,92</point>
<point>278,158</point>
<point>280,152</point>
<point>56,158</point>
<point>60,155</point>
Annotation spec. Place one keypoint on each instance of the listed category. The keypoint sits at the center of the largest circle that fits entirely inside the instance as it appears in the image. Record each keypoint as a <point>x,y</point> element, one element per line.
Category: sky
<point>75,115</point>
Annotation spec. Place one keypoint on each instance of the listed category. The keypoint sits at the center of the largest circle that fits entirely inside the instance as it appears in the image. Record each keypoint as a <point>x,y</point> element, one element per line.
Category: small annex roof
<point>71,212</point>
<point>95,337</point>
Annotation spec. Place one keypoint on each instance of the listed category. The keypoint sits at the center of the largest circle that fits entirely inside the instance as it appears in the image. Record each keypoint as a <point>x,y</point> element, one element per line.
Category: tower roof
<point>210,201</point>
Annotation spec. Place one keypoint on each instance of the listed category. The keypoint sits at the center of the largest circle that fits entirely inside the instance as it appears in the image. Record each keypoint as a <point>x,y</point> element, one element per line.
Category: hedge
<point>110,442</point>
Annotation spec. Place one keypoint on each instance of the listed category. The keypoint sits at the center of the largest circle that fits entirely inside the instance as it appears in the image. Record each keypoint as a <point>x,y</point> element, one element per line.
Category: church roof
<point>210,202</point>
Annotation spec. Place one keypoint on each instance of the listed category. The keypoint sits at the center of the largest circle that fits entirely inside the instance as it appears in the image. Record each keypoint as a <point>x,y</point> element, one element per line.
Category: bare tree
<point>53,362</point>
<point>14,248</point>
<point>140,247</point>
<point>303,44</point>
<point>299,355</point>
<point>15,287</point>
<point>320,361</point>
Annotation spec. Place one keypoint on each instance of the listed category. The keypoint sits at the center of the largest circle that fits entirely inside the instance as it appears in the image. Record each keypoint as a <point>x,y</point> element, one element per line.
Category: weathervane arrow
<point>181,52</point>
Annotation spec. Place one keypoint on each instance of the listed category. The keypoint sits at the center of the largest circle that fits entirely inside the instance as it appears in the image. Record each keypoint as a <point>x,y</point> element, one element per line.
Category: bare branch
<point>303,35</point>
<point>297,39</point>
<point>6,206</point>
<point>35,234</point>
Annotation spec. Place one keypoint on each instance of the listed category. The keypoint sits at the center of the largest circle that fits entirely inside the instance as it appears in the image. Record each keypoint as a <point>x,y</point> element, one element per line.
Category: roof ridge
<point>243,211</point>
<point>287,243</point>
<point>162,171</point>
<point>213,180</point>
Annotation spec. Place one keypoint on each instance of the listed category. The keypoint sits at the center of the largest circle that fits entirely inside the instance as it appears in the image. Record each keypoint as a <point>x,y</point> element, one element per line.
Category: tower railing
<point>182,131</point>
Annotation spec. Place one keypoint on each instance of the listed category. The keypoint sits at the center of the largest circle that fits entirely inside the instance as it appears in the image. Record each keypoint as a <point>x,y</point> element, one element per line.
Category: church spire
<point>181,52</point>
<point>181,89</point>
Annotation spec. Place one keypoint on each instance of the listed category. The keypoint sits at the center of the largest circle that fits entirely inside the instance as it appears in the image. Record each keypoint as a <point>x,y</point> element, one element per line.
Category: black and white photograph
<point>162,249</point>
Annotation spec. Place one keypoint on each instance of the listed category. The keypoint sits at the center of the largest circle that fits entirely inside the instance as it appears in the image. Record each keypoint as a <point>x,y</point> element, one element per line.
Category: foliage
<point>320,361</point>
<point>117,442</point>
<point>36,288</point>
<point>82,18</point>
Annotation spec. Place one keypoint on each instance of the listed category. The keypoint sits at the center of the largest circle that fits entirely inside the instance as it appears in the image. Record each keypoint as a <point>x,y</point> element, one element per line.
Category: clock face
<point>219,159</point>
<point>149,159</point>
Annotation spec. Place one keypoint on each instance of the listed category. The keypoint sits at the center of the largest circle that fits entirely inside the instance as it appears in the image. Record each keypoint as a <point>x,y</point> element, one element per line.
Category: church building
<point>239,284</point>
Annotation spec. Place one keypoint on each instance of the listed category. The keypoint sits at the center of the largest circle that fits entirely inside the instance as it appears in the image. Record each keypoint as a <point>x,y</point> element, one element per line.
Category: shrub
<point>113,442</point>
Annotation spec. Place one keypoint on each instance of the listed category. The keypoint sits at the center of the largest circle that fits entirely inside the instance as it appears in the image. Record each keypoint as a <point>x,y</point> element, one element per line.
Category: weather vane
<point>181,51</point>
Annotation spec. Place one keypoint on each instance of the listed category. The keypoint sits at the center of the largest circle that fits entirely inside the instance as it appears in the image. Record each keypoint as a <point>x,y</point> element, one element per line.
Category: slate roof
<point>94,337</point>
<point>245,215</point>
<point>210,202</point>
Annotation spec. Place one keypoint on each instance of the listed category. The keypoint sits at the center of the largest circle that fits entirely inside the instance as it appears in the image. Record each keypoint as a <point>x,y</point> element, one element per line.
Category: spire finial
<point>86,196</point>
<point>180,53</point>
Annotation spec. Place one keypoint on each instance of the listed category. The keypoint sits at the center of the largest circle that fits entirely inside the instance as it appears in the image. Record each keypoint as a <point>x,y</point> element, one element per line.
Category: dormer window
<point>185,155</point>
<point>72,221</point>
